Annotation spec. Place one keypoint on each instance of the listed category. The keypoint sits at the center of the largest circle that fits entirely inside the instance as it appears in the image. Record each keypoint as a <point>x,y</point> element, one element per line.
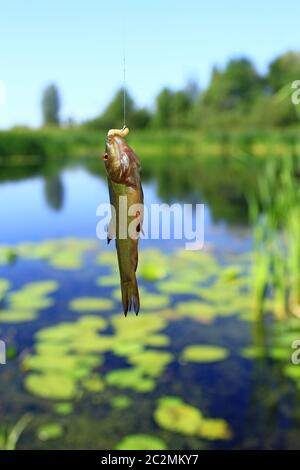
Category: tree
<point>113,115</point>
<point>51,106</point>
<point>284,70</point>
<point>237,85</point>
<point>181,107</point>
<point>164,104</point>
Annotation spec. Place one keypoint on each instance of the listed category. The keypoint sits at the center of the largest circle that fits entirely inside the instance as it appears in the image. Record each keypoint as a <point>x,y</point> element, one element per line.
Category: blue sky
<point>78,44</point>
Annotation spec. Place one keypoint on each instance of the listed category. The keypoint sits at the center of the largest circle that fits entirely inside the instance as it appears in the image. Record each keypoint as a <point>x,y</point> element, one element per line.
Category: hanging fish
<point>126,197</point>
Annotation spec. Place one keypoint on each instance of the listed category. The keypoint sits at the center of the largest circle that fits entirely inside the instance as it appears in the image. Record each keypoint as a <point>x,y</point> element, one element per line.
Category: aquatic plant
<point>90,304</point>
<point>49,431</point>
<point>120,402</point>
<point>63,408</point>
<point>132,378</point>
<point>275,214</point>
<point>174,415</point>
<point>10,438</point>
<point>23,305</point>
<point>141,442</point>
<point>204,353</point>
<point>52,386</point>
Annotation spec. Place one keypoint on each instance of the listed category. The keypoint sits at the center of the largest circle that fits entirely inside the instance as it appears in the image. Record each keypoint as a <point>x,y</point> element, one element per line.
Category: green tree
<point>181,107</point>
<point>113,115</point>
<point>284,70</point>
<point>51,105</point>
<point>237,85</point>
<point>164,109</point>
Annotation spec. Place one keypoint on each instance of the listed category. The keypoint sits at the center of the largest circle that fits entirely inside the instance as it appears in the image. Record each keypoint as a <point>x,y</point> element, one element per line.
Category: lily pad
<point>141,442</point>
<point>93,383</point>
<point>130,378</point>
<point>152,272</point>
<point>150,362</point>
<point>120,402</point>
<point>66,260</point>
<point>51,386</point>
<point>63,408</point>
<point>50,431</point>
<point>17,316</point>
<point>204,353</point>
<point>197,310</point>
<point>175,415</point>
<point>91,304</point>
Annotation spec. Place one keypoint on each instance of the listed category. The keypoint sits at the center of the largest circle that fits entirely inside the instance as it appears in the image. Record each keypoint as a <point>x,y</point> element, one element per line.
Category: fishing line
<point>124,89</point>
<point>124,31</point>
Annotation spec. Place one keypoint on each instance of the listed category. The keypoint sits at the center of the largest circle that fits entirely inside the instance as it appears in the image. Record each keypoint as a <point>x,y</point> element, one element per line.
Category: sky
<point>79,45</point>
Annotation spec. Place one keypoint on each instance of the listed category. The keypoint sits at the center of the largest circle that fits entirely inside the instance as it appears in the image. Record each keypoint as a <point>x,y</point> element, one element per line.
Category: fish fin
<point>130,296</point>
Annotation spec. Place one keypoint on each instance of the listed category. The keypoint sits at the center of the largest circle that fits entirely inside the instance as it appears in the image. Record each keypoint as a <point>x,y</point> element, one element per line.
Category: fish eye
<point>105,156</point>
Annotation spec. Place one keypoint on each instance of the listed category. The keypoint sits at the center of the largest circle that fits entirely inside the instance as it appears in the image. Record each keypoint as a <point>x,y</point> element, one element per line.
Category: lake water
<point>256,403</point>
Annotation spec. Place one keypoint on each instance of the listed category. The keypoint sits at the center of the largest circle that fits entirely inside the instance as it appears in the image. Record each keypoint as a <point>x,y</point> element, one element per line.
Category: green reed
<point>275,214</point>
<point>10,438</point>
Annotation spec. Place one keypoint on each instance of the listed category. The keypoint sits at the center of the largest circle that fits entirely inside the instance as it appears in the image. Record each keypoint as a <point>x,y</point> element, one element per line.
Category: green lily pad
<point>17,316</point>
<point>91,304</point>
<point>63,408</point>
<point>51,386</point>
<point>150,362</point>
<point>93,383</point>
<point>41,288</point>
<point>215,429</point>
<point>253,352</point>
<point>152,272</point>
<point>178,287</point>
<point>50,431</point>
<point>174,415</point>
<point>204,353</point>
<point>66,260</point>
<point>130,378</point>
<point>120,402</point>
<point>141,442</point>
<point>197,310</point>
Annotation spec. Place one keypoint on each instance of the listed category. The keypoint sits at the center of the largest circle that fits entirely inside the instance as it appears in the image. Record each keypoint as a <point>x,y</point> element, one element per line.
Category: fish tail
<point>130,296</point>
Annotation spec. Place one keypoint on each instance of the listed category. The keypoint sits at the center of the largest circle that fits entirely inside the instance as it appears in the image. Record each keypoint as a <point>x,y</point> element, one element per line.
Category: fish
<point>127,203</point>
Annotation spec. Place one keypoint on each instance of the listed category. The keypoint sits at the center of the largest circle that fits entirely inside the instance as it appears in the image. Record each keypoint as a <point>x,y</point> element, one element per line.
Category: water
<point>258,403</point>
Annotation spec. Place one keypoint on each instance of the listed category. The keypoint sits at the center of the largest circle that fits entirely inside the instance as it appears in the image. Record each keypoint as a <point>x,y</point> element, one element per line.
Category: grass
<point>275,215</point>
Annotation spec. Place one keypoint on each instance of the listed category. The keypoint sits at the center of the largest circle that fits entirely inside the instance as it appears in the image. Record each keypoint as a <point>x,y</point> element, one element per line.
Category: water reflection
<point>54,192</point>
<point>219,183</point>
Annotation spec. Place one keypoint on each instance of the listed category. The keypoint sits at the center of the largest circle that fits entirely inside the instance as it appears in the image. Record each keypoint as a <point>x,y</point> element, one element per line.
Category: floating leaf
<point>51,386</point>
<point>50,431</point>
<point>93,383</point>
<point>141,442</point>
<point>152,272</point>
<point>204,353</point>
<point>90,304</point>
<point>63,409</point>
<point>120,402</point>
<point>130,378</point>
<point>17,316</point>
<point>176,416</point>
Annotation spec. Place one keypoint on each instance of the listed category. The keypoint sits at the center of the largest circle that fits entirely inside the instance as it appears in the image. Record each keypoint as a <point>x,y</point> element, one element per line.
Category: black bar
<point>134,459</point>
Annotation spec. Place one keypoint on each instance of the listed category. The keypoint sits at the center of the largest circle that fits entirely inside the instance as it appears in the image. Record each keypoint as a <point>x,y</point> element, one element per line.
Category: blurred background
<point>213,105</point>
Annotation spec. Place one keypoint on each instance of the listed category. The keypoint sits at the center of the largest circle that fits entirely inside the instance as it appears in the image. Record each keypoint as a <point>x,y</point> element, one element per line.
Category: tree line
<point>237,96</point>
